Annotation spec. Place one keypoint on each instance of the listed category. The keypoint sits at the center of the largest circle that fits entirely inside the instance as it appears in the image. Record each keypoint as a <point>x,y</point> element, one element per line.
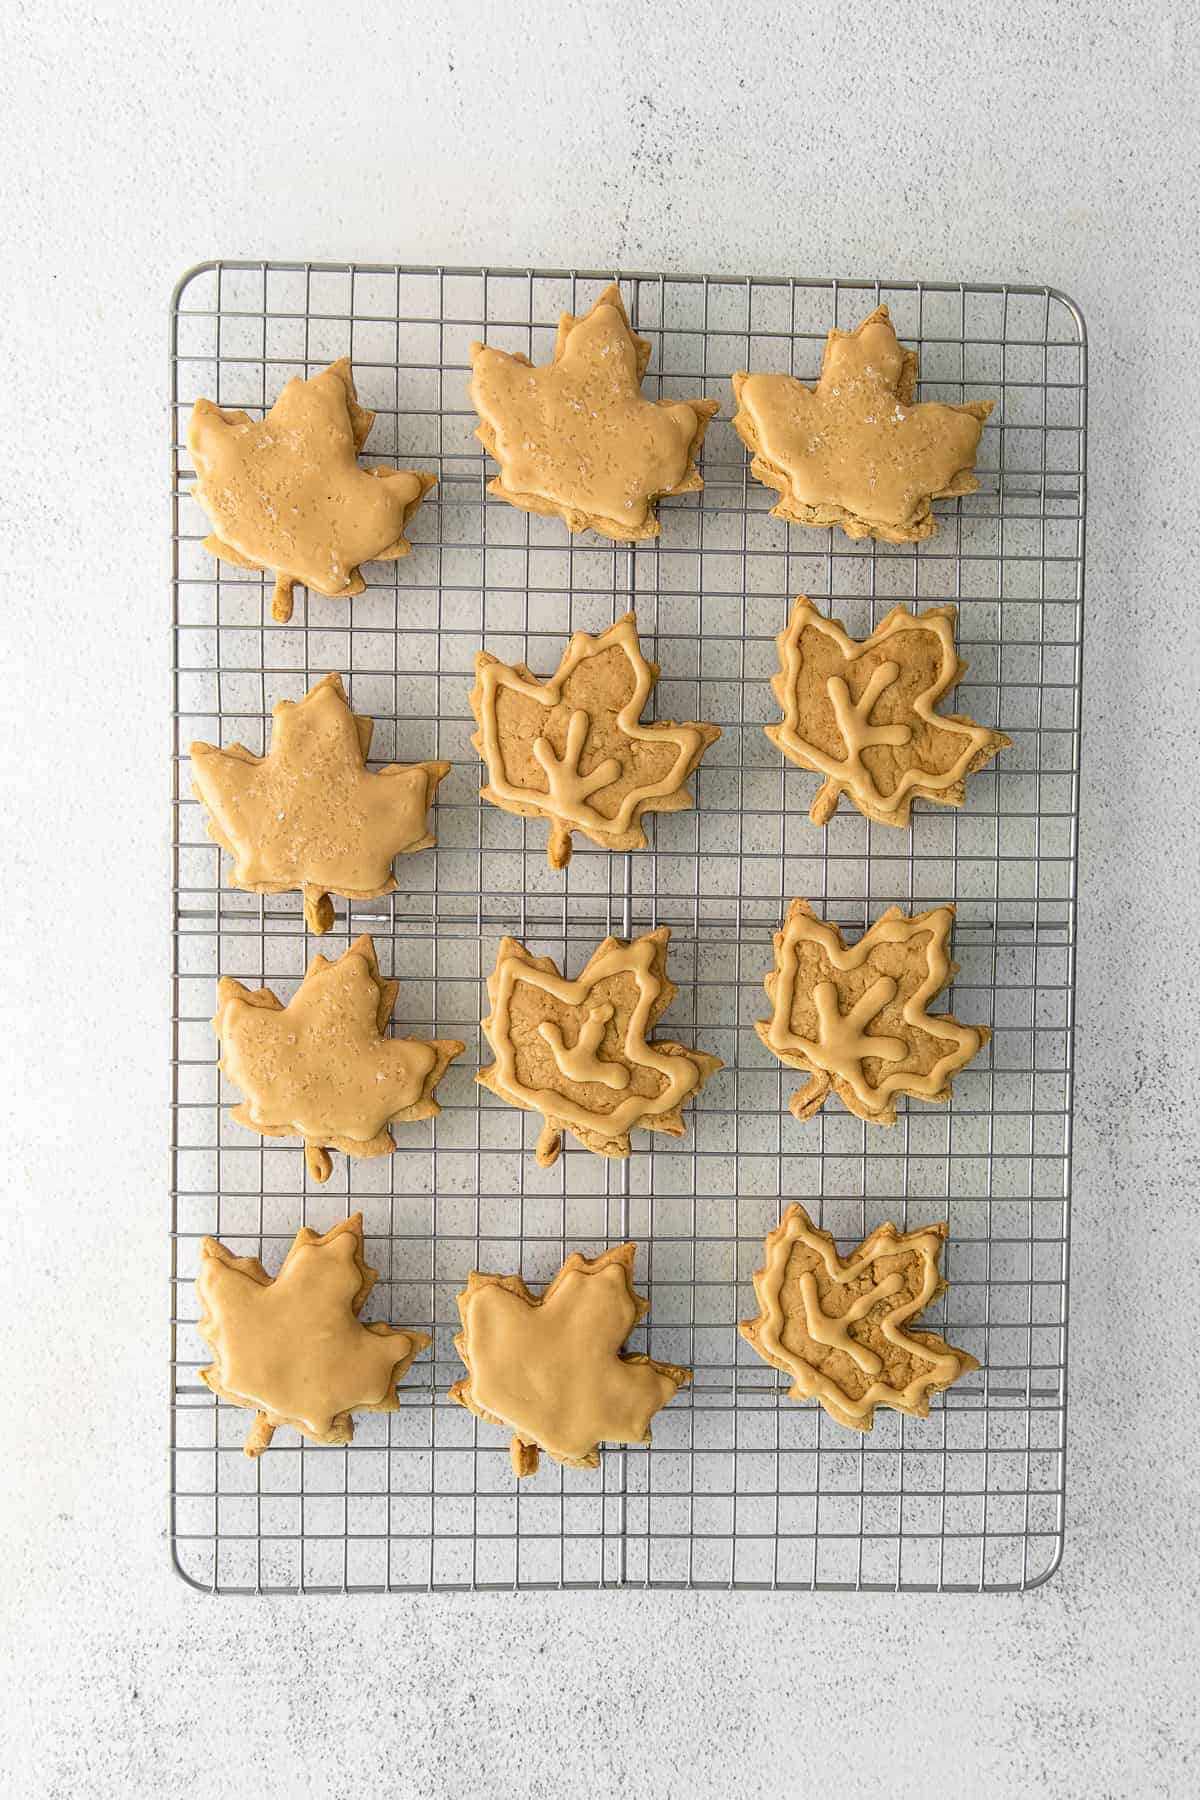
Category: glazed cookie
<point>320,1067</point>
<point>552,1371</point>
<point>854,1016</point>
<point>573,749</point>
<point>576,1051</point>
<point>854,450</point>
<point>293,1347</point>
<point>861,714</point>
<point>575,438</point>
<point>840,1329</point>
<point>309,814</point>
<point>286,493</point>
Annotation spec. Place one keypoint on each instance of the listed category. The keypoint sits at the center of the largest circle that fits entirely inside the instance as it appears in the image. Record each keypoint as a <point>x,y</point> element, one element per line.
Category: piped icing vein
<point>855,1016</point>
<point>573,749</point>
<point>576,437</point>
<point>310,814</point>
<point>854,450</point>
<point>286,493</point>
<point>861,712</point>
<point>842,1329</point>
<point>577,1051</point>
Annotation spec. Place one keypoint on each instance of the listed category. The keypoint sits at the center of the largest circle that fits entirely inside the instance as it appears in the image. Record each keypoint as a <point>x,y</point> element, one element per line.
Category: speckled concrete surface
<point>1044,142</point>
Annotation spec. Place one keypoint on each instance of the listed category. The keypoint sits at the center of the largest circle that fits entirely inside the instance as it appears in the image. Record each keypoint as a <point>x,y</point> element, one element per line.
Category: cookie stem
<point>826,802</point>
<point>318,911</point>
<point>558,852</point>
<point>320,1163</point>
<point>281,600</point>
<point>259,1435</point>
<point>524,1458</point>
<point>548,1146</point>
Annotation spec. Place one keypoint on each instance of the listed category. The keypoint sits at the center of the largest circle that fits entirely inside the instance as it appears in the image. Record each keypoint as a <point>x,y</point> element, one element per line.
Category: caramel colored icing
<point>286,493</point>
<point>551,1369</point>
<point>854,450</point>
<point>293,1347</point>
<point>309,814</point>
<point>840,1329</point>
<point>320,1067</point>
<point>854,1016</point>
<point>576,438</point>
<point>573,749</point>
<point>861,713</point>
<point>577,1051</point>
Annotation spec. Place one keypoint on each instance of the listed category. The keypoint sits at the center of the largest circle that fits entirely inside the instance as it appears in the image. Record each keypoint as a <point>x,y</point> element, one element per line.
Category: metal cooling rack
<point>742,1488</point>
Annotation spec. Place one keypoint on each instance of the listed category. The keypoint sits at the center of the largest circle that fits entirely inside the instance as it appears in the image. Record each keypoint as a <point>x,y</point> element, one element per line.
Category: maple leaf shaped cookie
<point>552,1370</point>
<point>854,1016</point>
<point>574,750</point>
<point>287,494</point>
<point>293,1347</point>
<point>861,713</point>
<point>854,450</point>
<point>576,1051</point>
<point>576,438</point>
<point>309,814</point>
<point>840,1329</point>
<point>320,1067</point>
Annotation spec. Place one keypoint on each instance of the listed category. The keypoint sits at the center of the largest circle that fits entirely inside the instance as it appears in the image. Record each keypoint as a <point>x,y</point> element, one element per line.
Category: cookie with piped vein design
<point>320,1068</point>
<point>573,749</point>
<point>861,713</point>
<point>577,1051</point>
<point>854,1016</point>
<point>286,493</point>
<point>576,437</point>
<point>292,1346</point>
<point>855,450</point>
<point>841,1329</point>
<point>551,1368</point>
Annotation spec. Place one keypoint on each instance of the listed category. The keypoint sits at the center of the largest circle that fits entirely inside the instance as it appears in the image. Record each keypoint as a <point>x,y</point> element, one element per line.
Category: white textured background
<point>1042,142</point>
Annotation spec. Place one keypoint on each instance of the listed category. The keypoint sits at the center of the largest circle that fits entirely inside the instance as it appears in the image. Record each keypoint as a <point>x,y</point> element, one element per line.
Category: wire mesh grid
<point>742,1487</point>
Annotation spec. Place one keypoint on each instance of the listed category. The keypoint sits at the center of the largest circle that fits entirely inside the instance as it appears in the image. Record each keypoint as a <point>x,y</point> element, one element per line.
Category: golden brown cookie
<point>552,1371</point>
<point>573,749</point>
<point>854,1016</point>
<point>575,438</point>
<point>839,1329</point>
<point>309,814</point>
<point>320,1067</point>
<point>576,1051</point>
<point>861,712</point>
<point>854,450</point>
<point>293,1347</point>
<point>286,493</point>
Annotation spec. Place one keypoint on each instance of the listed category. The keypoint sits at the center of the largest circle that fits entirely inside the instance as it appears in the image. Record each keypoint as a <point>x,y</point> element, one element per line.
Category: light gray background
<point>1041,142</point>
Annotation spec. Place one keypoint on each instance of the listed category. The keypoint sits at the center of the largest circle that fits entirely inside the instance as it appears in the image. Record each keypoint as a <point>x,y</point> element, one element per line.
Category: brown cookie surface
<point>861,712</point>
<point>840,1329</point>
<point>576,437</point>
<point>551,1368</point>
<point>292,1346</point>
<point>573,749</point>
<point>577,1051</point>
<point>854,1016</point>
<point>286,493</point>
<point>854,450</point>
<point>309,814</point>
<point>320,1068</point>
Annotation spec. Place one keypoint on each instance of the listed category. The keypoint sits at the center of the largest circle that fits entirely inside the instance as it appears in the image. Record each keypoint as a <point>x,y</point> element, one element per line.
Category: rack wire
<point>742,1487</point>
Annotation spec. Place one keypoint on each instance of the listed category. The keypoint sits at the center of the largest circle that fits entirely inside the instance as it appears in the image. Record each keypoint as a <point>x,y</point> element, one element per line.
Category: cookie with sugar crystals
<point>842,1328</point>
<point>856,450</point>
<point>552,1369</point>
<point>310,814</point>
<point>320,1068</point>
<point>576,437</point>
<point>286,493</point>
<point>292,1346</point>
